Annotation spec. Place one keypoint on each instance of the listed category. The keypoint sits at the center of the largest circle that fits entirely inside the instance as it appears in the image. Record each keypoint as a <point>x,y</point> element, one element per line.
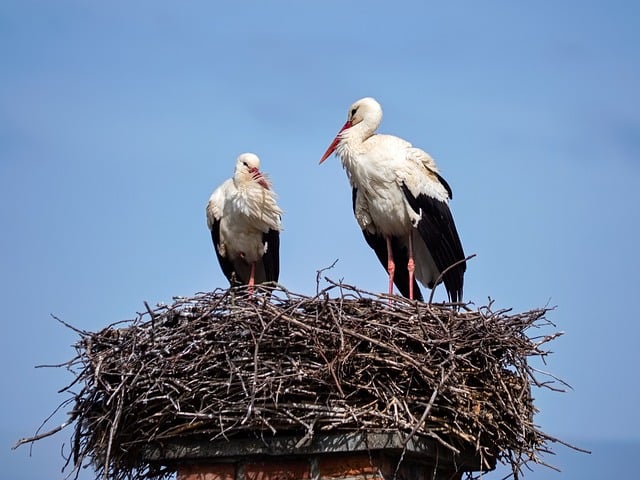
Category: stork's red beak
<point>257,176</point>
<point>335,142</point>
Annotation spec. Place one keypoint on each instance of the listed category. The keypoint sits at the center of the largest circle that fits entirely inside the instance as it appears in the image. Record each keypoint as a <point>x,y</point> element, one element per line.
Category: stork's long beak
<point>257,176</point>
<point>335,142</point>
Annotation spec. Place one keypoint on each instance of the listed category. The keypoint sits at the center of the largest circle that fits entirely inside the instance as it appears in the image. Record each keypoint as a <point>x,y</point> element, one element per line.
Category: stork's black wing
<point>400,257</point>
<point>225,263</point>
<point>271,258</point>
<point>438,230</point>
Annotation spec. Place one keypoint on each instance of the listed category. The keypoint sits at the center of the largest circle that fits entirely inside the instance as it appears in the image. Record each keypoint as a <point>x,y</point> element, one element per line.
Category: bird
<point>245,223</point>
<point>401,203</point>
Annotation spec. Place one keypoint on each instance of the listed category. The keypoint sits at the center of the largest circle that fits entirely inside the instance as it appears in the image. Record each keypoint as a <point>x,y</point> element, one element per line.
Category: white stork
<point>401,203</point>
<point>244,220</point>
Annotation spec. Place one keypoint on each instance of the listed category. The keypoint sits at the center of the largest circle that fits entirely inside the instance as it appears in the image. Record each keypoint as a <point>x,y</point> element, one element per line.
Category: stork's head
<point>367,113</point>
<point>248,170</point>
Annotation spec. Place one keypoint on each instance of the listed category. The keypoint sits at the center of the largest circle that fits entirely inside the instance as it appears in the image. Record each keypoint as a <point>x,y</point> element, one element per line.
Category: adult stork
<point>244,220</point>
<point>401,203</point>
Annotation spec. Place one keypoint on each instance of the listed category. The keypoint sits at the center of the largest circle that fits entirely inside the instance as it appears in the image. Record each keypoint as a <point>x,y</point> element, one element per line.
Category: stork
<point>245,224</point>
<point>401,203</point>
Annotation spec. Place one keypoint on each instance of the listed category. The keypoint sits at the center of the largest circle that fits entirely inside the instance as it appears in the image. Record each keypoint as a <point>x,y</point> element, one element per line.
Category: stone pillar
<point>356,466</point>
<point>356,456</point>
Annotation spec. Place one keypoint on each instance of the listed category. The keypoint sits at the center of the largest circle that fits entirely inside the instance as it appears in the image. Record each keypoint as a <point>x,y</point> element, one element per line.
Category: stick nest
<point>226,364</point>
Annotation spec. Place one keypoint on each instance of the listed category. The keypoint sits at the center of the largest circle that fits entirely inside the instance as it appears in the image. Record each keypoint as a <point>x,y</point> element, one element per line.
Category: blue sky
<point>118,119</point>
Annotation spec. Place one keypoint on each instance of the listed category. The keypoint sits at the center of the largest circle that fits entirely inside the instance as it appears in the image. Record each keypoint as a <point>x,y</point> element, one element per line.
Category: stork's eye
<point>353,112</point>
<point>245,164</point>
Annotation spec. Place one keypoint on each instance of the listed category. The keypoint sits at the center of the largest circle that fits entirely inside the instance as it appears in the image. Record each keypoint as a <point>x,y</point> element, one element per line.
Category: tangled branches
<point>225,364</point>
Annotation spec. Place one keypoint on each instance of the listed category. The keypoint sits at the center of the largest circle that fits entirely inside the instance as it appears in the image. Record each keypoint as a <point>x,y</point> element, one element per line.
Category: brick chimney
<point>354,456</point>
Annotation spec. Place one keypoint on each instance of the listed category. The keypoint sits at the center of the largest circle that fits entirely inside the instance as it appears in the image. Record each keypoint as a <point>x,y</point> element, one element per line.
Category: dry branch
<point>225,364</point>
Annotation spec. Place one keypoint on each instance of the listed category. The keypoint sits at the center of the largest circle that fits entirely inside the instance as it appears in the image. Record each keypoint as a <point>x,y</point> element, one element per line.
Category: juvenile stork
<point>401,203</point>
<point>245,224</point>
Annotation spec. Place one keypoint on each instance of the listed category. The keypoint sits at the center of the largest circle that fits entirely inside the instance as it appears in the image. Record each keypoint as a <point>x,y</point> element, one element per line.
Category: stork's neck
<point>250,188</point>
<point>351,144</point>
<point>258,204</point>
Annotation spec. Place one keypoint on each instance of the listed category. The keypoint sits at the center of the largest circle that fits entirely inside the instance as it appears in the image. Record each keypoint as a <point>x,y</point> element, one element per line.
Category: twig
<point>35,438</point>
<point>320,272</point>
<point>440,277</point>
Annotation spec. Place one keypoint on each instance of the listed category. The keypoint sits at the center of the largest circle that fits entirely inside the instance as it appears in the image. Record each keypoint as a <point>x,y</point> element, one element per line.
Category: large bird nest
<point>227,364</point>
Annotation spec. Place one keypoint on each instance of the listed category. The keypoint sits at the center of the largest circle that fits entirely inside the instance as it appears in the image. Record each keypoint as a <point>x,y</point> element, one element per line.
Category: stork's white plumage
<point>245,224</point>
<point>401,203</point>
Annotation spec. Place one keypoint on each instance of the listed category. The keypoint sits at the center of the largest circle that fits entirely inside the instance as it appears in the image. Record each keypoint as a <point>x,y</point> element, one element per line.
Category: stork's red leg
<point>391,266</point>
<point>252,281</point>
<point>411,266</point>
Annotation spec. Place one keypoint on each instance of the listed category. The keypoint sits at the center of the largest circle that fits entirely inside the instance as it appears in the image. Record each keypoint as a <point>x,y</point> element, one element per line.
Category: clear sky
<point>118,119</point>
